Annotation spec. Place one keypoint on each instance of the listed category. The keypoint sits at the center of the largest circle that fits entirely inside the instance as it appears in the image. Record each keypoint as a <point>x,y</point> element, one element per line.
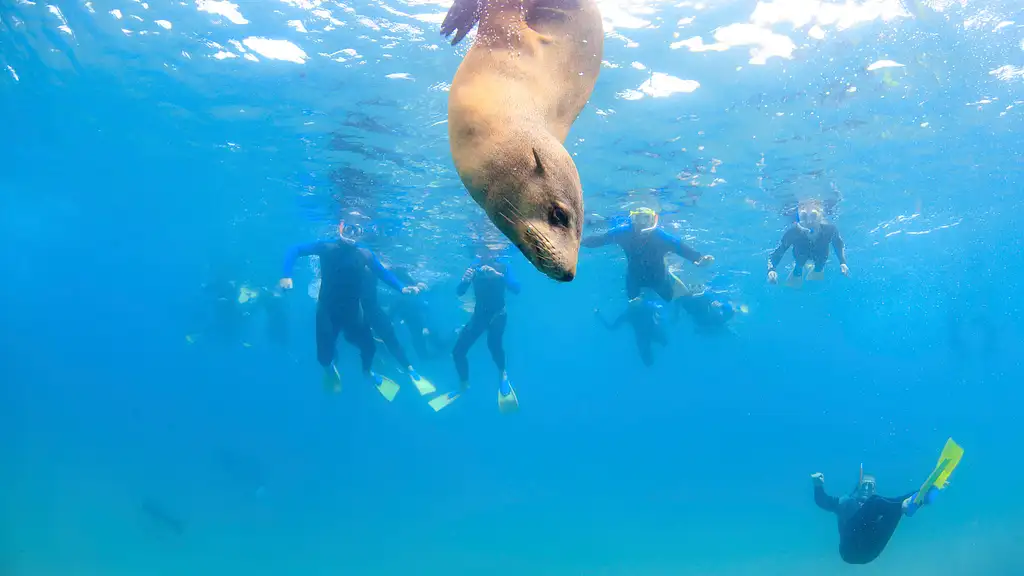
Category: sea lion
<point>524,81</point>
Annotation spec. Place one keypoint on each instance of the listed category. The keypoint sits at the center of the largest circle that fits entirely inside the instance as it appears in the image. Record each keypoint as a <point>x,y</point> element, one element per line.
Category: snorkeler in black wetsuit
<point>343,267</point>
<point>645,246</point>
<point>490,276</point>
<point>709,314</point>
<point>413,312</point>
<point>645,318</point>
<point>866,521</point>
<point>380,324</point>
<point>810,239</point>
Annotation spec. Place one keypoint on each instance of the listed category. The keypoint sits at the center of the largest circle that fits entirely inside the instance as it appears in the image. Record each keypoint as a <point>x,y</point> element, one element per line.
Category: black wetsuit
<point>343,267</point>
<point>413,312</point>
<point>645,257</point>
<point>806,249</point>
<point>645,318</point>
<point>380,322</point>
<point>702,309</point>
<point>864,528</point>
<point>488,315</point>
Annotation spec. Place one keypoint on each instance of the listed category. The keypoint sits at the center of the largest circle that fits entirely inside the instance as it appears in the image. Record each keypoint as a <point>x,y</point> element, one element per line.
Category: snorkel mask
<point>350,230</point>
<point>809,218</point>
<point>644,219</point>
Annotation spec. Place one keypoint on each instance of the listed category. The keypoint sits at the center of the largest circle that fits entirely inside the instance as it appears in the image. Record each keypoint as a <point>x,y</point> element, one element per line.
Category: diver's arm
<point>606,238</point>
<point>297,251</point>
<point>678,246</point>
<point>467,281</point>
<point>824,501</point>
<point>784,244</point>
<point>839,246</point>
<point>378,269</point>
<point>511,282</point>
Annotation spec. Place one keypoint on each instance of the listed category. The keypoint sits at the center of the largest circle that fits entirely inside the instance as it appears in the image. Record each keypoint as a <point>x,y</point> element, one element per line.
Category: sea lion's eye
<point>558,217</point>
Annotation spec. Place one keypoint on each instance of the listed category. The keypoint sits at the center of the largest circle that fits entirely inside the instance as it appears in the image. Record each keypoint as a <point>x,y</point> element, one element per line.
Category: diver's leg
<point>666,287</point>
<point>385,330</point>
<point>326,340</point>
<point>633,284</point>
<point>495,337</point>
<point>467,336</point>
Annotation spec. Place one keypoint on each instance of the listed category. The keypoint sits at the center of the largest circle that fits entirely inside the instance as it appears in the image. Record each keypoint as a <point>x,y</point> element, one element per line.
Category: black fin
<point>461,18</point>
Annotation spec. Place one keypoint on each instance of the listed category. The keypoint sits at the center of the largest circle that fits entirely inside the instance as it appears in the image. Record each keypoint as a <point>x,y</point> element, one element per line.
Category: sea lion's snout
<point>552,248</point>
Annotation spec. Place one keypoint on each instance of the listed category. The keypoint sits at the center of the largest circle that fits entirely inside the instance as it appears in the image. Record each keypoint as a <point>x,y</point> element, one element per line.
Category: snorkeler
<point>413,312</point>
<point>343,266</point>
<point>490,276</point>
<point>810,238</point>
<point>380,324</point>
<point>646,246</point>
<point>644,315</point>
<point>867,521</point>
<point>709,314</point>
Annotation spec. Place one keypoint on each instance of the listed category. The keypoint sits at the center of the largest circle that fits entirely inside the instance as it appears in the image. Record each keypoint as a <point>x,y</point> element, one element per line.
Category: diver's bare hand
<point>468,276</point>
<point>818,478</point>
<point>411,290</point>
<point>490,272</point>
<point>286,284</point>
<point>845,270</point>
<point>705,260</point>
<point>773,277</point>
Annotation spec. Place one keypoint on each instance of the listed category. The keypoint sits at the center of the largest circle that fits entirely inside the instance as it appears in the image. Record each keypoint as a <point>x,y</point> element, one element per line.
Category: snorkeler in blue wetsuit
<point>344,264</point>
<point>645,246</point>
<point>490,276</point>
<point>644,316</point>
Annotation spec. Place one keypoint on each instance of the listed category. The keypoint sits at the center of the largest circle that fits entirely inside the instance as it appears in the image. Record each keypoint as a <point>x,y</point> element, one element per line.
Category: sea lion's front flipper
<point>461,17</point>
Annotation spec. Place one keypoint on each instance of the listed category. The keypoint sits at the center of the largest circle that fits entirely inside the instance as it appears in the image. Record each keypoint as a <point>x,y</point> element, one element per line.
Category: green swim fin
<point>423,385</point>
<point>332,380</point>
<point>386,386</point>
<point>443,401</point>
<point>508,402</point>
<point>948,461</point>
<point>679,288</point>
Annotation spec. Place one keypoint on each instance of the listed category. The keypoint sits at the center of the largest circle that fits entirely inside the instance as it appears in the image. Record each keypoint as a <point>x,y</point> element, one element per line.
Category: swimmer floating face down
<point>536,201</point>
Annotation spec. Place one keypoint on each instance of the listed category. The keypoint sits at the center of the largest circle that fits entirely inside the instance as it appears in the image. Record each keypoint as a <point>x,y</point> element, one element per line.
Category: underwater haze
<point>155,152</point>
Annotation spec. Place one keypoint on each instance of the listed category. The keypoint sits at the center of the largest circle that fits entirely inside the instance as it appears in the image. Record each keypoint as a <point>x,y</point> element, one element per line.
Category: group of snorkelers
<point>348,305</point>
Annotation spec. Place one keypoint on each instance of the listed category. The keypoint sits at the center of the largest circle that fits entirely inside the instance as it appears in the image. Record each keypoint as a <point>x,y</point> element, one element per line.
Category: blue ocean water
<point>156,152</point>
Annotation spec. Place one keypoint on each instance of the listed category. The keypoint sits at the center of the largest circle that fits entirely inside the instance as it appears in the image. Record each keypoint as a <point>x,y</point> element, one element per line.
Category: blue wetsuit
<point>645,257</point>
<point>488,314</point>
<point>343,268</point>
<point>864,527</point>
<point>645,318</point>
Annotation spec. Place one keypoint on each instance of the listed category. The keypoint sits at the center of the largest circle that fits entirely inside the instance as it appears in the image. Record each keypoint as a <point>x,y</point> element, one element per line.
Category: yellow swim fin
<point>679,288</point>
<point>442,401</point>
<point>423,385</point>
<point>386,386</point>
<point>948,461</point>
<point>332,380</point>
<point>508,402</point>
<point>795,281</point>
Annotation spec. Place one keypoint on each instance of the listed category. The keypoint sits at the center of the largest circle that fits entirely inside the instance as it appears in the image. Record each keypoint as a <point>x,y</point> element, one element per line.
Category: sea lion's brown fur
<point>524,81</point>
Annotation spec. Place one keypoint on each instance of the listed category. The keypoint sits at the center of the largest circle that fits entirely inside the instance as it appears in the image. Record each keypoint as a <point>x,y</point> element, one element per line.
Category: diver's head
<point>643,219</point>
<point>810,215</point>
<point>865,488</point>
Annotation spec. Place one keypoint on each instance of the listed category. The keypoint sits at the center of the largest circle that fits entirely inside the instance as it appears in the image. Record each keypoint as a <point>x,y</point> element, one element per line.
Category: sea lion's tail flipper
<point>461,17</point>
